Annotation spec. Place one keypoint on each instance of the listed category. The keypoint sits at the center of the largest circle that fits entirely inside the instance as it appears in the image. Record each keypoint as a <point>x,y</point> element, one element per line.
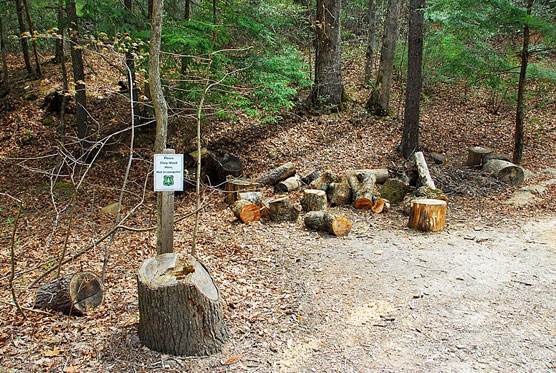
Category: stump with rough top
<point>235,186</point>
<point>476,156</point>
<point>427,215</point>
<point>180,307</point>
<point>327,222</point>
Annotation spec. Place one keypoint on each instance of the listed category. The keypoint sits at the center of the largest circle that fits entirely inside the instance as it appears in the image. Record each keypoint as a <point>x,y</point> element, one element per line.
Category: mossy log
<point>246,211</point>
<point>327,222</point>
<point>394,190</point>
<point>281,209</point>
<point>278,174</point>
<point>323,181</point>
<point>290,184</point>
<point>506,171</point>
<point>180,308</point>
<point>72,294</point>
<point>314,200</point>
<point>362,185</point>
<point>476,156</point>
<point>427,215</point>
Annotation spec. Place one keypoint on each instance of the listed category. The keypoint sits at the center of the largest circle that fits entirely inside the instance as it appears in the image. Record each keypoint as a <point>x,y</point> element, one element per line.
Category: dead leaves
<point>233,359</point>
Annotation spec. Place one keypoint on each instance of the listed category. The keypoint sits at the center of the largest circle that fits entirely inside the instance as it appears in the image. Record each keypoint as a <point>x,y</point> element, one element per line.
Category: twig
<point>24,308</point>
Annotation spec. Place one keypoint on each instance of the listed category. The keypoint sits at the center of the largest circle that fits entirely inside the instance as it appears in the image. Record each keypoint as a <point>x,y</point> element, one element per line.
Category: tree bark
<point>506,171</point>
<point>32,32</point>
<point>324,221</point>
<point>233,186</point>
<point>476,156</point>
<point>362,185</point>
<point>246,211</point>
<point>314,200</point>
<point>371,41</point>
<point>423,171</point>
<point>253,197</point>
<point>427,215</point>
<point>323,182</point>
<point>410,137</point>
<point>328,89</point>
<point>159,102</point>
<point>22,38</point>
<point>130,63</point>
<point>281,209</point>
<point>59,53</point>
<point>339,192</point>
<point>5,76</point>
<point>520,112</point>
<point>180,308</point>
<point>278,174</point>
<point>379,102</point>
<point>288,185</point>
<point>78,72</point>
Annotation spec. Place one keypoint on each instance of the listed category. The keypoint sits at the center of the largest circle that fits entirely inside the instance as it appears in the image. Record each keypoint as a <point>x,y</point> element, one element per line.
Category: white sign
<point>168,172</point>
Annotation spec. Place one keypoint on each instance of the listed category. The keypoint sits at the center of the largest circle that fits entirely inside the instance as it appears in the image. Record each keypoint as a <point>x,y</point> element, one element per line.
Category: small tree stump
<point>339,193</point>
<point>180,307</point>
<point>380,205</point>
<point>420,193</point>
<point>362,185</point>
<point>246,211</point>
<point>505,171</point>
<point>288,185</point>
<point>281,209</point>
<point>326,222</point>
<point>278,174</point>
<point>476,156</point>
<point>314,200</point>
<point>253,197</point>
<point>427,215</point>
<point>72,294</point>
<point>310,176</point>
<point>234,186</point>
<point>323,182</point>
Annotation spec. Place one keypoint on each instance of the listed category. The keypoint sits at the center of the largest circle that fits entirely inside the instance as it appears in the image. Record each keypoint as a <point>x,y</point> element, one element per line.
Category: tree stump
<point>362,185</point>
<point>339,193</point>
<point>423,171</point>
<point>380,205</point>
<point>281,209</point>
<point>278,174</point>
<point>427,215</point>
<point>234,186</point>
<point>246,211</point>
<point>506,171</point>
<point>72,294</point>
<point>253,197</point>
<point>476,156</point>
<point>326,222</point>
<point>323,182</point>
<point>180,307</point>
<point>314,200</point>
<point>288,185</point>
<point>420,193</point>
<point>218,168</point>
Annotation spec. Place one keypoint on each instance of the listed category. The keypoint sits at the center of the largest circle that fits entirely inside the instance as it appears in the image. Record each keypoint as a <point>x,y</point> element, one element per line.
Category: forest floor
<point>478,296</point>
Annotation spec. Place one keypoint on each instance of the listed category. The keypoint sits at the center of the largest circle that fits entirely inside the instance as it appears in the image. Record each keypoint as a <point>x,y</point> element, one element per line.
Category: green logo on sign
<point>168,180</point>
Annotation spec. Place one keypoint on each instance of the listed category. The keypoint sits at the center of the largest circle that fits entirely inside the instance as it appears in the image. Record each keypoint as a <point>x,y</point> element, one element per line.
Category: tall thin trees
<point>78,72</point>
<point>371,41</point>
<point>23,37</point>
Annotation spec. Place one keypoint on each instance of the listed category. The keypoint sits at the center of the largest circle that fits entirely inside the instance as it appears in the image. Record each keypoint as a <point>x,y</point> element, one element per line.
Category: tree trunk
<point>427,215</point>
<point>59,54</point>
<point>379,101</point>
<point>324,221</point>
<point>180,307</point>
<point>64,72</point>
<point>310,176</point>
<point>23,39</point>
<point>32,32</point>
<point>323,182</point>
<point>371,41</point>
<point>328,89</point>
<point>410,138</point>
<point>362,187</point>
<point>246,211</point>
<point>278,174</point>
<point>518,145</point>
<point>78,72</point>
<point>186,17</point>
<point>476,156</point>
<point>288,185</point>
<point>130,63</point>
<point>73,294</point>
<point>314,200</point>
<point>506,171</point>
<point>159,102</point>
<point>5,76</point>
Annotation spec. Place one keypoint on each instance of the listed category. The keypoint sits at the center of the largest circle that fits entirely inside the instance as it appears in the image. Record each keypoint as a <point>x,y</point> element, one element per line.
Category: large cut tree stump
<point>72,294</point>
<point>326,222</point>
<point>281,209</point>
<point>278,174</point>
<point>235,186</point>
<point>423,171</point>
<point>428,215</point>
<point>288,185</point>
<point>219,167</point>
<point>246,211</point>
<point>477,155</point>
<point>314,200</point>
<point>180,308</point>
<point>362,185</point>
<point>339,193</point>
<point>505,171</point>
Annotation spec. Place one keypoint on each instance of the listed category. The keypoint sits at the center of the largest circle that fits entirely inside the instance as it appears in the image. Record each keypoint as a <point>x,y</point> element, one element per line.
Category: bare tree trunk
<point>59,43</point>
<point>186,17</point>
<point>379,101</point>
<point>64,73</point>
<point>78,72</point>
<point>410,138</point>
<point>328,89</point>
<point>32,31</point>
<point>5,76</point>
<point>518,145</point>
<point>371,42</point>
<point>23,40</point>
<point>130,62</point>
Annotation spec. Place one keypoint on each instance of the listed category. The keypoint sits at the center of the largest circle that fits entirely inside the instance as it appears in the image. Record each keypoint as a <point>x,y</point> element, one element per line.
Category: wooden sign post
<point>168,178</point>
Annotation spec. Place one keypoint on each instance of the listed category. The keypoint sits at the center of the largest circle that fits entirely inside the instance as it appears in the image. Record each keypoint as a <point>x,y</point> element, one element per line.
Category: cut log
<point>180,307</point>
<point>362,183</point>
<point>420,193</point>
<point>423,171</point>
<point>72,294</point>
<point>265,212</point>
<point>281,209</point>
<point>234,186</point>
<point>439,158</point>
<point>278,174</point>
<point>427,215</point>
<point>314,200</point>
<point>394,190</point>
<point>339,193</point>
<point>323,182</point>
<point>381,174</point>
<point>219,167</point>
<point>324,221</point>
<point>246,211</point>
<point>310,176</point>
<point>505,171</point>
<point>380,205</point>
<point>476,156</point>
<point>288,185</point>
<point>253,197</point>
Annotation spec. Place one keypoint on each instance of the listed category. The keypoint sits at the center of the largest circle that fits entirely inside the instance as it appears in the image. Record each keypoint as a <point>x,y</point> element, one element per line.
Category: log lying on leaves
<point>281,209</point>
<point>310,176</point>
<point>314,200</point>
<point>427,215</point>
<point>505,171</point>
<point>362,185</point>
<point>234,186</point>
<point>339,192</point>
<point>476,156</point>
<point>288,185</point>
<point>324,221</point>
<point>323,182</point>
<point>72,294</point>
<point>394,190</point>
<point>423,171</point>
<point>381,174</point>
<point>380,205</point>
<point>253,197</point>
<point>278,174</point>
<point>180,307</point>
<point>246,211</point>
